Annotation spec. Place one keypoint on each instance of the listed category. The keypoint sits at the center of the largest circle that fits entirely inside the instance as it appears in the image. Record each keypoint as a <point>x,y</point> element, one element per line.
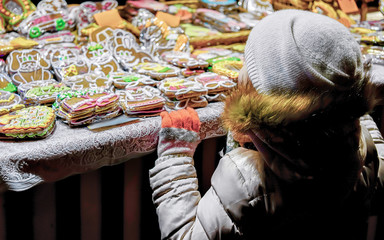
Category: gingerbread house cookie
<point>27,123</point>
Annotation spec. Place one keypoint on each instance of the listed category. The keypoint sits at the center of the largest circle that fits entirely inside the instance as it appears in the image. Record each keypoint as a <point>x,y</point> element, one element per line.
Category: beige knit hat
<point>317,52</point>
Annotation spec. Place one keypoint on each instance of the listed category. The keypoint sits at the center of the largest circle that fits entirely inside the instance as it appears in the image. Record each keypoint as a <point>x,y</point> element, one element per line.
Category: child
<point>301,101</point>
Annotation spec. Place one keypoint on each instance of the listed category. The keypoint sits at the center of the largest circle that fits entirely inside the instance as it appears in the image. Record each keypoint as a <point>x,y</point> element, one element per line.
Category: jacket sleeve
<point>178,203</point>
<point>368,122</point>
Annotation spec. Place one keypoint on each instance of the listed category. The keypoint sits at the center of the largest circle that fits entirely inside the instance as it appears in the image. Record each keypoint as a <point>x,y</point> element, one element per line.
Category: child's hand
<point>179,132</point>
<point>184,118</point>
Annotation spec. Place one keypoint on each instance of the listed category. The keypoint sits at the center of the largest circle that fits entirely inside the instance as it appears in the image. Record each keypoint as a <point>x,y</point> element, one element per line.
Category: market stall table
<point>69,151</point>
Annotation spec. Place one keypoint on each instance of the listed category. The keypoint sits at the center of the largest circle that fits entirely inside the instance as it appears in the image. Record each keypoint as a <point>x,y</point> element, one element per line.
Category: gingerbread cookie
<point>122,80</point>
<point>9,102</point>
<point>181,88</point>
<point>101,34</point>
<point>184,60</point>
<point>68,62</point>
<point>128,52</point>
<point>50,16</point>
<point>27,66</point>
<point>214,82</point>
<point>211,52</point>
<point>142,101</point>
<point>195,102</point>
<point>218,21</point>
<point>156,70</point>
<point>89,80</point>
<point>230,69</point>
<point>41,92</point>
<point>55,38</point>
<point>30,122</point>
<point>101,59</point>
<point>158,38</point>
<point>90,8</point>
<point>16,11</point>
<point>87,107</point>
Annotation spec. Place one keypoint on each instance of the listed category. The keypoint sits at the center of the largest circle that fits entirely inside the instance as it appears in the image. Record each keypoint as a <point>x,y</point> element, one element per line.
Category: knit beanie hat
<point>296,50</point>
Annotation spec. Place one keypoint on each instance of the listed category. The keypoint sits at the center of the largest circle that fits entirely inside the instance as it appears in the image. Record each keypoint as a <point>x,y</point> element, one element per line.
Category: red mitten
<point>179,132</point>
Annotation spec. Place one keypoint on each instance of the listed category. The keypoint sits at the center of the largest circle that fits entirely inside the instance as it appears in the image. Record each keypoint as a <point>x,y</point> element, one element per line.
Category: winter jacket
<point>247,200</point>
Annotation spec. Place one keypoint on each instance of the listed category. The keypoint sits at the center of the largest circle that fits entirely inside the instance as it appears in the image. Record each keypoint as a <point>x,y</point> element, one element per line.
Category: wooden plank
<point>44,217</point>
<point>132,193</point>
<point>90,206</point>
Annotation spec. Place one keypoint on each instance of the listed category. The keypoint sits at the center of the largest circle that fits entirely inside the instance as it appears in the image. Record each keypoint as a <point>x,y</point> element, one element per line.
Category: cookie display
<point>156,70</point>
<point>28,123</point>
<point>27,66</point>
<point>122,80</point>
<point>85,107</point>
<point>41,92</point>
<point>141,101</point>
<point>89,80</point>
<point>181,88</point>
<point>9,102</point>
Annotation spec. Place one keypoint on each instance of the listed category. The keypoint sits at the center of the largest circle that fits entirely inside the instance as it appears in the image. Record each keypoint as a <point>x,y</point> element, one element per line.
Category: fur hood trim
<point>251,110</point>
<point>246,109</point>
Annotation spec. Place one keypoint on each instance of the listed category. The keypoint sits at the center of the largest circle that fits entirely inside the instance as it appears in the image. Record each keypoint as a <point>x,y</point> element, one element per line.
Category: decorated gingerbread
<point>157,70</point>
<point>123,79</point>
<point>142,101</point>
<point>30,122</point>
<point>127,51</point>
<point>27,66</point>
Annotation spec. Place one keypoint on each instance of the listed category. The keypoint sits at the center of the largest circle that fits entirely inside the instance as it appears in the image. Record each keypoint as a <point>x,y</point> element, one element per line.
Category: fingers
<point>176,119</point>
<point>184,118</point>
<point>195,119</point>
<point>166,121</point>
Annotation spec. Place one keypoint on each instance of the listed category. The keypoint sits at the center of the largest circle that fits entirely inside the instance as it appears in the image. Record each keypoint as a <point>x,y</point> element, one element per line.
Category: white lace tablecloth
<point>69,151</point>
